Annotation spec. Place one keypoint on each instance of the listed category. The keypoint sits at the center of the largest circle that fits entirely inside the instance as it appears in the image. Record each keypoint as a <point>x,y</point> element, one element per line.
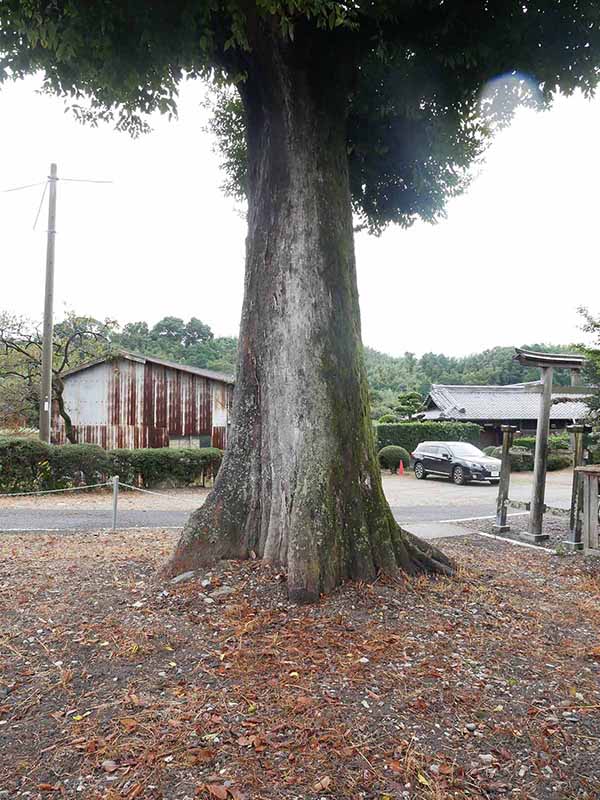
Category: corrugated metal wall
<point>124,403</point>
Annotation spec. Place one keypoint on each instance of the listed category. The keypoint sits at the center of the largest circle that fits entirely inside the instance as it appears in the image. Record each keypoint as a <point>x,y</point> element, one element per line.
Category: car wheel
<point>458,476</point>
<point>420,473</point>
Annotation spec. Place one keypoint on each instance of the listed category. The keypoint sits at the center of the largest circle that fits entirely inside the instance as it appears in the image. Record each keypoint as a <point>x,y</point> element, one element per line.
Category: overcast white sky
<point>515,257</point>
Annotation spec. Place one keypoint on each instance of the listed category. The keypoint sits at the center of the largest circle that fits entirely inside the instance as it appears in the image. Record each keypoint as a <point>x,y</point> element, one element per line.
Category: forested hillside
<point>389,375</point>
<point>191,342</point>
<point>194,343</point>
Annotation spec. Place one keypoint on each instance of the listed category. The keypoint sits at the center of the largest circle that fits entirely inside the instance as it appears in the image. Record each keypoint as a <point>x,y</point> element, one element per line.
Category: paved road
<point>432,500</point>
<point>82,520</point>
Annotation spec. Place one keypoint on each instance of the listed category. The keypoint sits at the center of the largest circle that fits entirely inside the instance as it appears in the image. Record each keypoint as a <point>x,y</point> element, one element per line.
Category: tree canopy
<point>415,116</point>
<point>592,367</point>
<point>389,375</point>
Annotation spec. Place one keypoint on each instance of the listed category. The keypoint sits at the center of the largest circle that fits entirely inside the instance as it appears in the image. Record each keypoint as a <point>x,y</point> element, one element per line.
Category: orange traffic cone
<point>401,468</point>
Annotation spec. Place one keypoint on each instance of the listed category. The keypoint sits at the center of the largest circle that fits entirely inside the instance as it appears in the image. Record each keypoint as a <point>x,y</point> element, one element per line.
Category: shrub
<point>559,441</point>
<point>24,465</point>
<point>391,456</point>
<point>409,434</point>
<point>525,441</point>
<point>558,461</point>
<point>166,465</point>
<point>28,465</point>
<point>521,459</point>
<point>78,464</point>
<point>388,419</point>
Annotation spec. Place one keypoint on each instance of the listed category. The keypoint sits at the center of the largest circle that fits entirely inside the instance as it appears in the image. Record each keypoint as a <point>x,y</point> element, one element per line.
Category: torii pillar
<point>547,363</point>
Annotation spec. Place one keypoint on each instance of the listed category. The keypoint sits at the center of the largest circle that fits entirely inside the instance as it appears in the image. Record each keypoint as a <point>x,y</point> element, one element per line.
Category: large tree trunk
<point>299,485</point>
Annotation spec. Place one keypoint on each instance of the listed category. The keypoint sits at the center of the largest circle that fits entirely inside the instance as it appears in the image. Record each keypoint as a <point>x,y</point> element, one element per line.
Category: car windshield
<point>467,451</point>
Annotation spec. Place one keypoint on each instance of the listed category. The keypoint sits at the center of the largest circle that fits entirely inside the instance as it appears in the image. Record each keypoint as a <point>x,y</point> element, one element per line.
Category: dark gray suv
<point>460,461</point>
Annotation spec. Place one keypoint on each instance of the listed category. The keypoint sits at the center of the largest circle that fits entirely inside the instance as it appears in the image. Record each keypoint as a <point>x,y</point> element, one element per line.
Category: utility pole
<point>47,349</point>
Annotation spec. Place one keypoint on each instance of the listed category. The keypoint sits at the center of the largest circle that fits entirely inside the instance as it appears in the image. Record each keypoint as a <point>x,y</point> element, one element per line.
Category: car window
<point>467,451</point>
<point>433,450</point>
<point>444,451</point>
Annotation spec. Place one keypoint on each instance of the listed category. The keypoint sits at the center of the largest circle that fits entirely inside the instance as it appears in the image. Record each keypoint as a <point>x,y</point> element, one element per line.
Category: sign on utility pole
<point>47,349</point>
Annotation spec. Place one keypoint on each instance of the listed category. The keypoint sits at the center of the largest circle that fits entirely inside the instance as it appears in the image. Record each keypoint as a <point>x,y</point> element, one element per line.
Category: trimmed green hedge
<point>388,419</point>
<point>409,434</point>
<point>28,465</point>
<point>555,442</point>
<point>558,461</point>
<point>390,457</point>
<point>521,459</point>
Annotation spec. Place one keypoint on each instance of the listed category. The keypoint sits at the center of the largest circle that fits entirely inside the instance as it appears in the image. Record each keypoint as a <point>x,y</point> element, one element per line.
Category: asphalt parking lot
<point>437,499</point>
<point>412,501</point>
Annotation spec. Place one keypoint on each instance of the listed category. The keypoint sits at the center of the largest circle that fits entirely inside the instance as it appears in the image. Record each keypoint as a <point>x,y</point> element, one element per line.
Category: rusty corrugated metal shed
<point>128,400</point>
<point>205,373</point>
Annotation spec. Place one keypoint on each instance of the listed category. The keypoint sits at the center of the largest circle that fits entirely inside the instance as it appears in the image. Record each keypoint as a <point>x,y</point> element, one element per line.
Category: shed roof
<point>141,359</point>
<point>517,401</point>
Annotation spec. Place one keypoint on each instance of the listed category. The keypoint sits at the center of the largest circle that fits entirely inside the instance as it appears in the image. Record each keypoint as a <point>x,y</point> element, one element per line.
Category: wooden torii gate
<point>547,363</point>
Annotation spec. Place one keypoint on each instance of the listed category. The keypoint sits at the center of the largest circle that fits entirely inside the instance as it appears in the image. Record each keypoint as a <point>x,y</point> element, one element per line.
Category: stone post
<point>500,525</point>
<point>591,522</point>
<point>573,541</point>
<point>536,514</point>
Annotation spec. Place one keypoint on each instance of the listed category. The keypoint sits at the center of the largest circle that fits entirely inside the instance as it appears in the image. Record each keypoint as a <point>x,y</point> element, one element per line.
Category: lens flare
<point>501,96</point>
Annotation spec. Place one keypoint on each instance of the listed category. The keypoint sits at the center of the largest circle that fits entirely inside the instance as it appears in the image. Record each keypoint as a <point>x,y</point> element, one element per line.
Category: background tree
<point>76,340</point>
<point>388,375</point>
<point>195,332</point>
<point>365,106</point>
<point>191,342</point>
<point>592,369</point>
<point>408,404</point>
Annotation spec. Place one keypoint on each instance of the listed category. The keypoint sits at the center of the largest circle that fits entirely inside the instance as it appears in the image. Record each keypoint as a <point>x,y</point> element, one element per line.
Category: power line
<point>37,216</point>
<point>27,186</point>
<point>83,180</point>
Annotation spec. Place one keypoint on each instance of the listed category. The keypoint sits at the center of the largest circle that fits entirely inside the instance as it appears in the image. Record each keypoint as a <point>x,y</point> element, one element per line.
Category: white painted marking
<point>476,519</point>
<point>518,544</point>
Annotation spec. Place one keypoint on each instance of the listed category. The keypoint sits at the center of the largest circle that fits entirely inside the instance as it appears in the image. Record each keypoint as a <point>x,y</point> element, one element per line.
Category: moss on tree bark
<point>299,485</point>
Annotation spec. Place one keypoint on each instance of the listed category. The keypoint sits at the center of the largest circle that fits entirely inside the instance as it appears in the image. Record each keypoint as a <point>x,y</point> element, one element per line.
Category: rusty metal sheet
<point>123,403</point>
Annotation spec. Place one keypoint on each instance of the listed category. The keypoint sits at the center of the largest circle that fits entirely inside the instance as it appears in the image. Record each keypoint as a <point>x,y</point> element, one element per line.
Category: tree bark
<point>59,387</point>
<point>299,485</point>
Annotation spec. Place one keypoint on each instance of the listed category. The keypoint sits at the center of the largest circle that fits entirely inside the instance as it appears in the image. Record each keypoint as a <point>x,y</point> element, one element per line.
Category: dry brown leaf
<point>129,723</point>
<point>322,785</point>
<point>216,790</point>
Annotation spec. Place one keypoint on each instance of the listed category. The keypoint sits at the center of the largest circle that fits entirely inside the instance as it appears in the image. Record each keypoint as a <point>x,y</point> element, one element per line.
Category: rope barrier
<point>56,491</point>
<point>115,485</point>
<point>147,491</point>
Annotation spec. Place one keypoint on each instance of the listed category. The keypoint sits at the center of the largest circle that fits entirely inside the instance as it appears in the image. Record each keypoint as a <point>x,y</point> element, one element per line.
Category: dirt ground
<point>114,684</point>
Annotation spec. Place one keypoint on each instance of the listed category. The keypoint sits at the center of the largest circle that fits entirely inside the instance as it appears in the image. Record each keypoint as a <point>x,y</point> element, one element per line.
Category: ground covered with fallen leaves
<point>114,685</point>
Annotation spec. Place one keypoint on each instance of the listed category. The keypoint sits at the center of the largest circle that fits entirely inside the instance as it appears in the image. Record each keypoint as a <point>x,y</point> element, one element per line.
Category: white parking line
<point>519,544</point>
<point>475,519</point>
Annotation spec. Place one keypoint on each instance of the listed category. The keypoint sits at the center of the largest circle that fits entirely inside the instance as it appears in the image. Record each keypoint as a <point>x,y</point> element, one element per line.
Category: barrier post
<point>115,485</point>
<point>501,525</point>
